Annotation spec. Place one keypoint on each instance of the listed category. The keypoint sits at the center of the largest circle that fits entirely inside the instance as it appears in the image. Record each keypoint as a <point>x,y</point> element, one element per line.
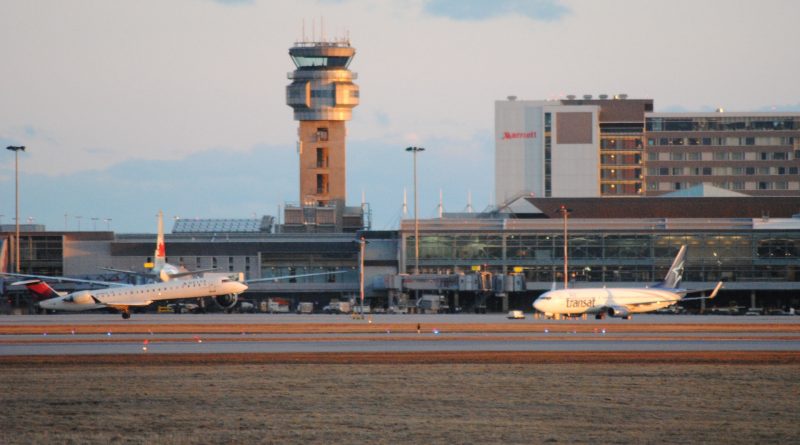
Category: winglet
<point>716,289</point>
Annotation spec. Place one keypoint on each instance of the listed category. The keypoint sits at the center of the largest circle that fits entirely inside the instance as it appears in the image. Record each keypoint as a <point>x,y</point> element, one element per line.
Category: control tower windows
<point>317,61</point>
<point>322,157</point>
<point>322,134</point>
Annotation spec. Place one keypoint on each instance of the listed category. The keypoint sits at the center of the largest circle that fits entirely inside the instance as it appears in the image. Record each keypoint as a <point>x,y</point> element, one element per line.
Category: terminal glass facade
<point>610,257</point>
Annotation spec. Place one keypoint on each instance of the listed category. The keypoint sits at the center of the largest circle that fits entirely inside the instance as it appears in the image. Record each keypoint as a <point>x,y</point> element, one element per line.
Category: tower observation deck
<point>322,95</point>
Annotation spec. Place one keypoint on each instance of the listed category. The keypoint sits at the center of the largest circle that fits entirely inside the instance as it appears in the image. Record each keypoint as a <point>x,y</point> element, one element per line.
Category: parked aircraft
<point>161,271</point>
<point>621,302</point>
<point>224,288</point>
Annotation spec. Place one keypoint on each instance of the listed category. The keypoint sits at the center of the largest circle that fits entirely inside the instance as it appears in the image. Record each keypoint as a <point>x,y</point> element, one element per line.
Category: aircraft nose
<point>240,287</point>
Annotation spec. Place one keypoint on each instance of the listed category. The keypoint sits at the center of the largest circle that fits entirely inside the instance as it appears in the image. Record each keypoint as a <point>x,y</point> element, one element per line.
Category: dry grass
<point>381,399</point>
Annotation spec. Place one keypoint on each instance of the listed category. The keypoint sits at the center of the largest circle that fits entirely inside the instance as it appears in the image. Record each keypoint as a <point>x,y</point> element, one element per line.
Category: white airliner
<point>122,297</point>
<point>620,302</point>
<point>162,270</point>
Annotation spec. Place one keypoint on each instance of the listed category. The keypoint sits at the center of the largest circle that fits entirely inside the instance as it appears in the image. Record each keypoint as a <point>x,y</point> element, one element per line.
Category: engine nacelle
<point>84,297</point>
<point>618,311</point>
<point>226,301</point>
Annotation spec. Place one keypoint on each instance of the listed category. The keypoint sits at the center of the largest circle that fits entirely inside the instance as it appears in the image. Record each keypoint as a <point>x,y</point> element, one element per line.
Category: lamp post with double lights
<point>16,150</point>
<point>414,151</point>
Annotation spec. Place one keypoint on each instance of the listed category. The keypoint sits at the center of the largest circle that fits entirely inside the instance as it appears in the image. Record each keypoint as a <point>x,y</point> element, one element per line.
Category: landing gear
<point>600,316</point>
<point>126,315</point>
<point>627,317</point>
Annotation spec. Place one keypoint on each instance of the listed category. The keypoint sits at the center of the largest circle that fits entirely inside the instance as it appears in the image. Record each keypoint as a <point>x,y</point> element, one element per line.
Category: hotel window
<point>651,142</point>
<point>676,156</point>
<point>764,156</point>
<point>697,156</point>
<point>706,141</point>
<point>750,141</point>
<point>662,141</point>
<point>763,170</point>
<point>322,134</point>
<point>737,156</point>
<point>720,155</point>
<point>737,185</point>
<point>763,185</point>
<point>738,170</point>
<point>652,156</point>
<point>663,171</point>
<point>706,171</point>
<point>793,170</point>
<point>780,156</point>
<point>677,171</point>
<point>750,170</point>
<point>781,185</point>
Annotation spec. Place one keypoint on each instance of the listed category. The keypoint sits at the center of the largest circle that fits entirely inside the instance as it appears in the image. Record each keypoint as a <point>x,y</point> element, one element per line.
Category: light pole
<point>16,150</point>
<point>362,241</point>
<point>565,213</point>
<point>414,151</point>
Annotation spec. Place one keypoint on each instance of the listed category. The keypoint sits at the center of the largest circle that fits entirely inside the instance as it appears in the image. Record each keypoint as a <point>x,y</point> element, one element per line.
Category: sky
<point>131,106</point>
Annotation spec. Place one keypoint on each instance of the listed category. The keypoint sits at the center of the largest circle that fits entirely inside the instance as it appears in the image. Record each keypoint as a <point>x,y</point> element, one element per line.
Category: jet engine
<point>84,297</point>
<point>226,302</point>
<point>618,311</point>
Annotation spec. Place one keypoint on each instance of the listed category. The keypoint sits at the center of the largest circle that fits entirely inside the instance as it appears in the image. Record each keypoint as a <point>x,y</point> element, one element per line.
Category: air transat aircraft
<point>162,271</point>
<point>620,302</point>
<point>122,297</point>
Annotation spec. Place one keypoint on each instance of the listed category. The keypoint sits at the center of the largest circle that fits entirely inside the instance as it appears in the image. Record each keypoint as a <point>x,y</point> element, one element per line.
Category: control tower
<point>322,94</point>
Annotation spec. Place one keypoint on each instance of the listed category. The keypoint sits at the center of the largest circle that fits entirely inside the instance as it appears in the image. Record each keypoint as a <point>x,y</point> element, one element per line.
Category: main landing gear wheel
<point>126,315</point>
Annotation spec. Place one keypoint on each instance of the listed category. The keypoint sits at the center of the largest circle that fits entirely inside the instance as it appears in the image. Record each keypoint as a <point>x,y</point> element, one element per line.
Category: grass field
<point>498,398</point>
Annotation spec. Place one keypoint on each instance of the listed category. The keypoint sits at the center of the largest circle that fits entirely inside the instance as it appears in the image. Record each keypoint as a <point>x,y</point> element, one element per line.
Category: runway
<point>107,334</point>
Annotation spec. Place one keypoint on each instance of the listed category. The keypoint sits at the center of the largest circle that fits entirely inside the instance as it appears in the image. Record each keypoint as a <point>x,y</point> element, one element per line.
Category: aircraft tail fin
<point>160,256</point>
<point>39,289</point>
<point>675,274</point>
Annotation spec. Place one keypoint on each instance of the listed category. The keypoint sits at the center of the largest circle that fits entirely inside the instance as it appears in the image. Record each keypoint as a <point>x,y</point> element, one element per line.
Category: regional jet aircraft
<point>620,302</point>
<point>162,271</point>
<point>224,288</point>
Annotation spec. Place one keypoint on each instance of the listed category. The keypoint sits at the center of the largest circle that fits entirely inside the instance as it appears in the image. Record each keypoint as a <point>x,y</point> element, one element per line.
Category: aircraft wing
<point>67,279</point>
<point>191,272</point>
<point>129,272</point>
<point>713,290</point>
<point>259,280</point>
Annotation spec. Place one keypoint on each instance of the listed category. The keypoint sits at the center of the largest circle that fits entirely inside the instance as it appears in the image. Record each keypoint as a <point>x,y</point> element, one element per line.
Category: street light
<point>415,150</point>
<point>16,150</point>
<point>565,213</point>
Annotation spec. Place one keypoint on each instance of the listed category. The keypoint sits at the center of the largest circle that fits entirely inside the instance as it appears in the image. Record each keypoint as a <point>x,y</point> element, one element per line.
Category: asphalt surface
<point>434,337</point>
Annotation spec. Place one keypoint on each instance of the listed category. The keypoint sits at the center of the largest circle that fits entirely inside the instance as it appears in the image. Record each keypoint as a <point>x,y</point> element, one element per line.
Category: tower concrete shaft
<point>322,94</point>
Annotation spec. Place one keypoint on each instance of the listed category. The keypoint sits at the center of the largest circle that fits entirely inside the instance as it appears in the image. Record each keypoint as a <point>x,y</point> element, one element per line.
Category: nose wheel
<point>126,315</point>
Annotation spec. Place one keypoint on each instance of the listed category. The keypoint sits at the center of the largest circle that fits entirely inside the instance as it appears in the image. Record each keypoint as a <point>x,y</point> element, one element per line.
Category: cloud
<point>542,10</point>
<point>781,108</point>
<point>234,2</point>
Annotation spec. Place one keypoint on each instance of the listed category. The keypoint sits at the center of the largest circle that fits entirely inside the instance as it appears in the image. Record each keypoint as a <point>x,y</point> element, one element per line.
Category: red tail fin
<point>40,289</point>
